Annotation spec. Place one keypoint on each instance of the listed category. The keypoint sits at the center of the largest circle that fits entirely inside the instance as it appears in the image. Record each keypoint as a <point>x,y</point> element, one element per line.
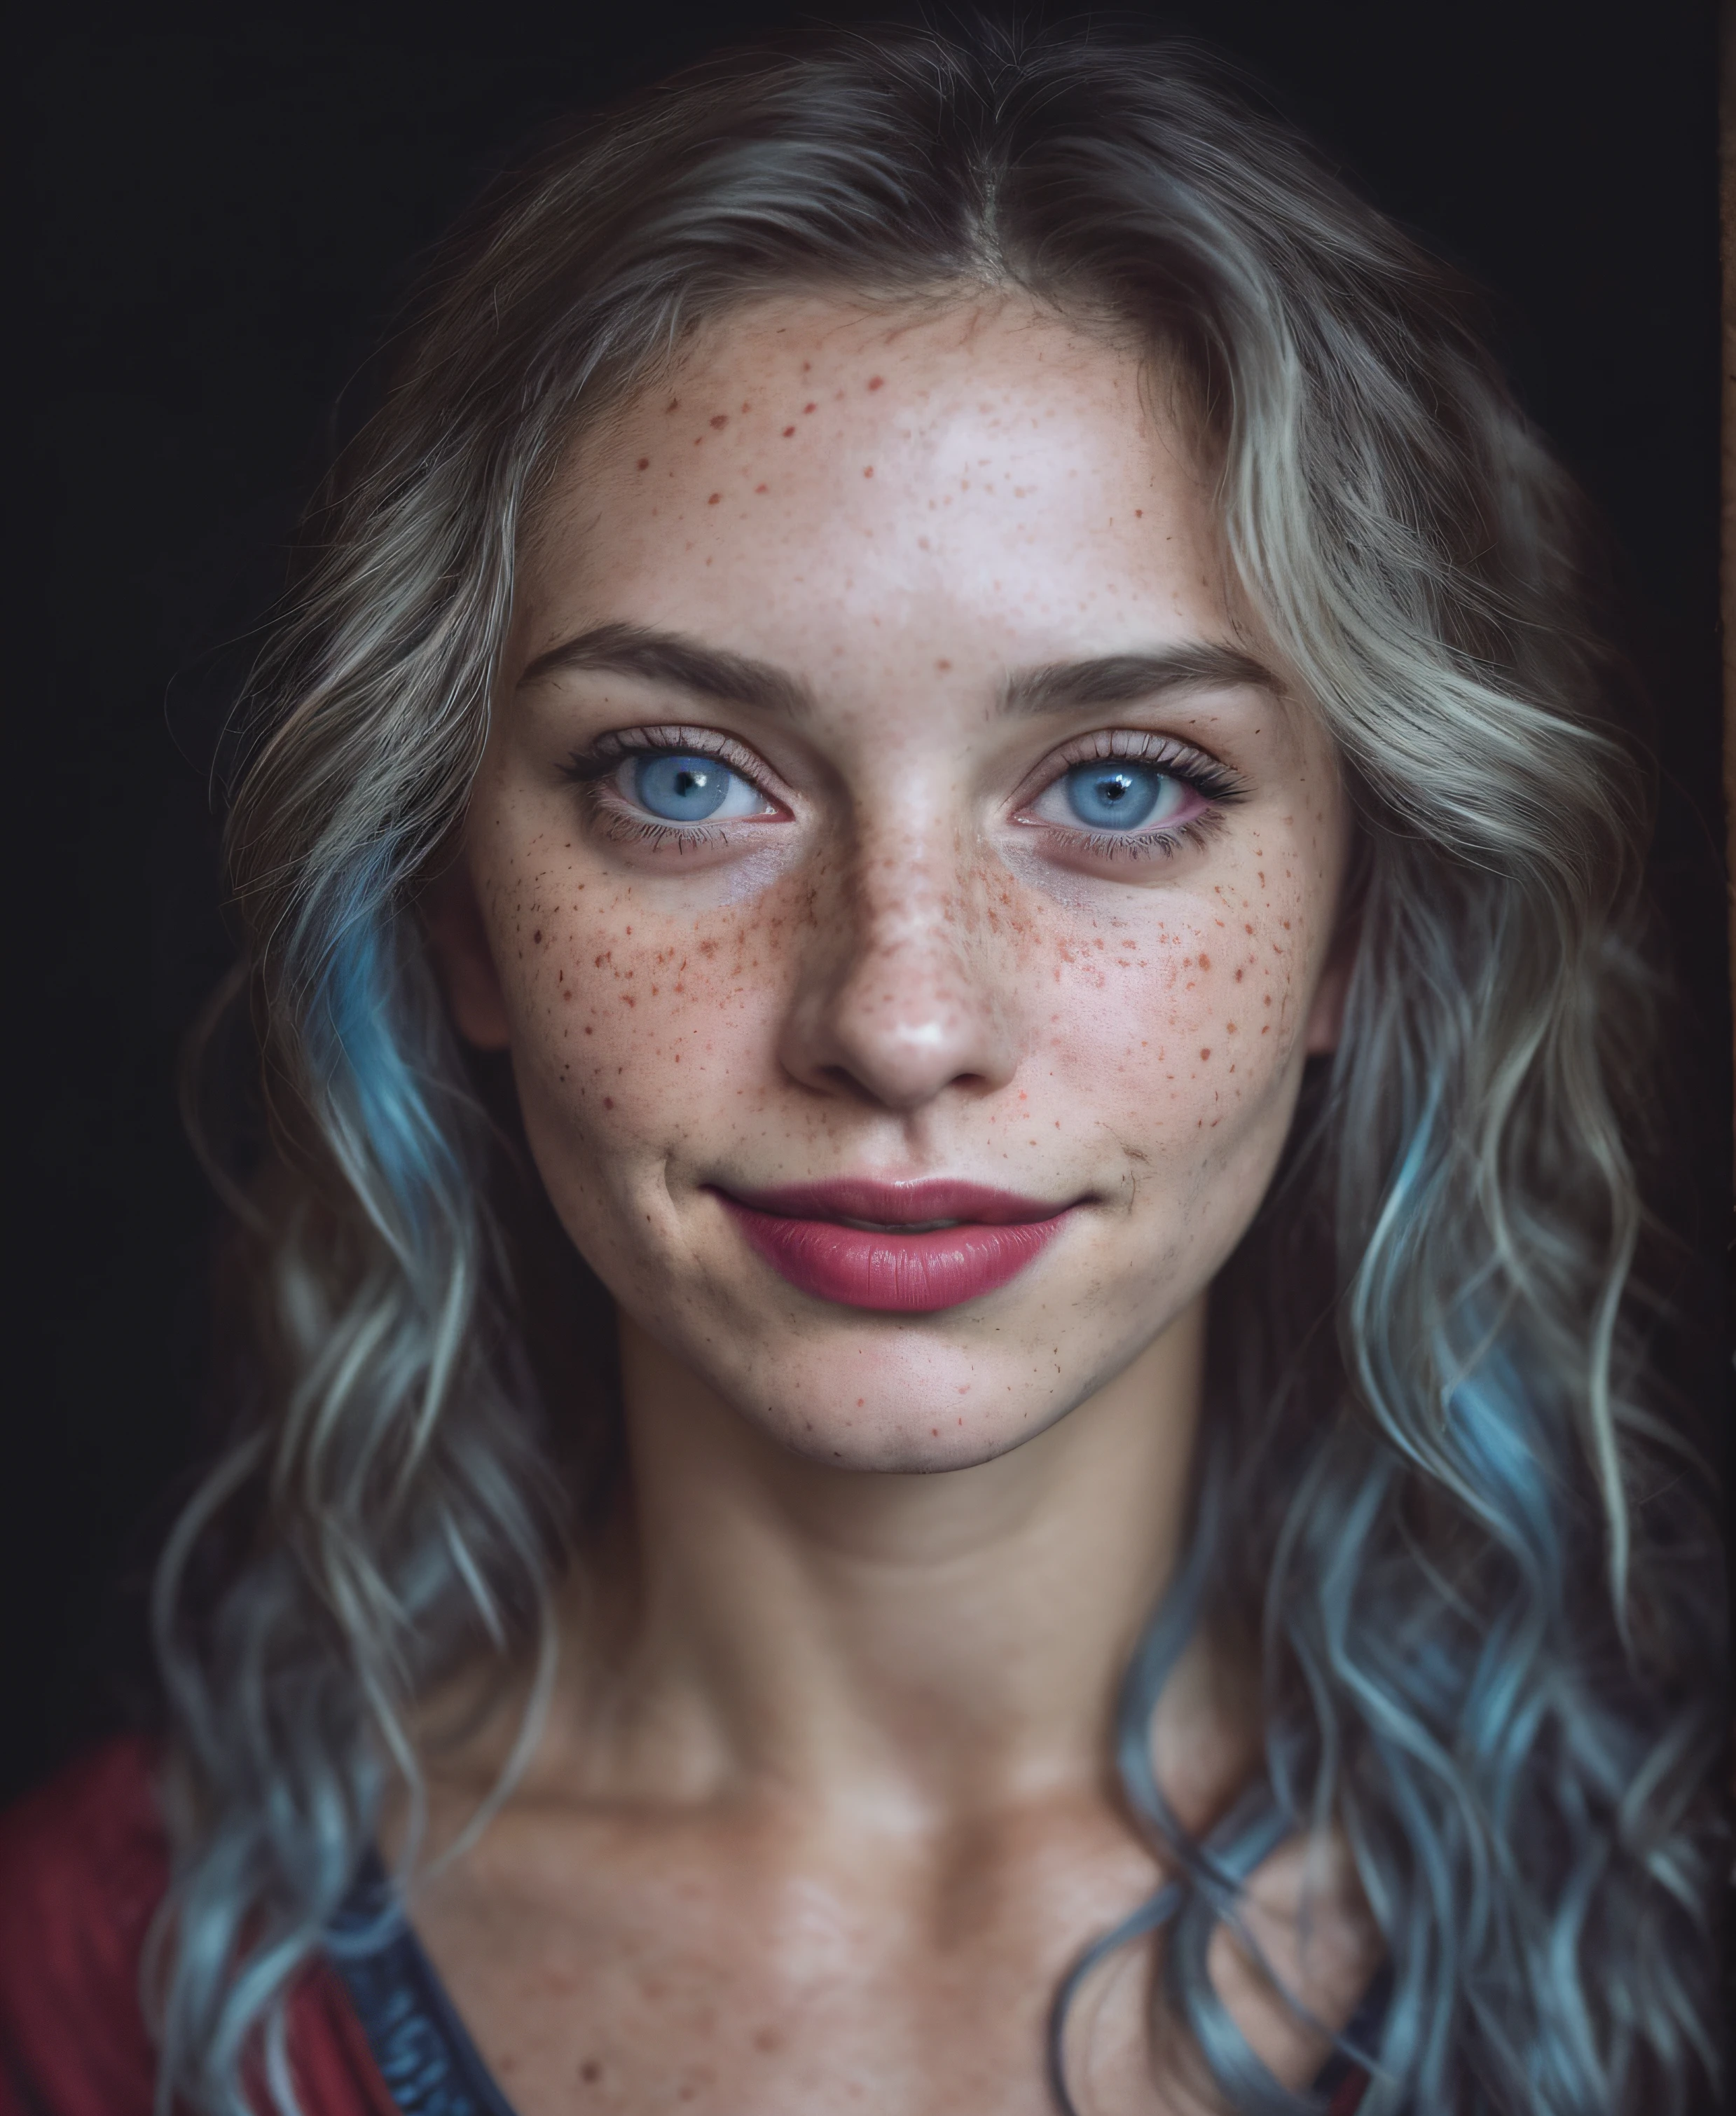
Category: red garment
<point>84,1863</point>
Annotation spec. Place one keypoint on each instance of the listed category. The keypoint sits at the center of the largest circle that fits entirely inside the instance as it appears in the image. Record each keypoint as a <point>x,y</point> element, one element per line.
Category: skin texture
<point>824,1806</point>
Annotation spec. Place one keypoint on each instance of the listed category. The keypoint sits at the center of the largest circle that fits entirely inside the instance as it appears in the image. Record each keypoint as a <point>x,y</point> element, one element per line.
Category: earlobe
<point>458,942</point>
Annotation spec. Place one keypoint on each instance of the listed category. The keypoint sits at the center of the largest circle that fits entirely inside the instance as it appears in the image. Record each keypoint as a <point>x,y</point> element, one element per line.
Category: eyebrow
<point>708,672</point>
<point>1122,679</point>
<point>666,657</point>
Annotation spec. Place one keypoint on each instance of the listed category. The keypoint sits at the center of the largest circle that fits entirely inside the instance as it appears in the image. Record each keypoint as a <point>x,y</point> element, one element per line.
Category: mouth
<point>899,1248</point>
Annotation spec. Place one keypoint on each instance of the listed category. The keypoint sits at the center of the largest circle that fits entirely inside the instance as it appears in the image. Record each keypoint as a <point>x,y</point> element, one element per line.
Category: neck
<point>926,1645</point>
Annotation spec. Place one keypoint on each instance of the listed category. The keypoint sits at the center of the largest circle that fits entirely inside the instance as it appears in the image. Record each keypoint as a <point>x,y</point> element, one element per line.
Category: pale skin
<point>824,1807</point>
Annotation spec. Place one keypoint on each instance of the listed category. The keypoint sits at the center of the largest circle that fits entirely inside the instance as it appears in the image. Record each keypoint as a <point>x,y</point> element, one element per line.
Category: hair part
<point>1424,1485</point>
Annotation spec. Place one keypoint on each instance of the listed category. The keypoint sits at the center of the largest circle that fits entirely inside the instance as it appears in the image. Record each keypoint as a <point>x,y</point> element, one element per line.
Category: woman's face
<point>885,792</point>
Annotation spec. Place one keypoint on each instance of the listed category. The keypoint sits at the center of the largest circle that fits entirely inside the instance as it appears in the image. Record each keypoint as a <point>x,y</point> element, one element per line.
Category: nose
<point>903,994</point>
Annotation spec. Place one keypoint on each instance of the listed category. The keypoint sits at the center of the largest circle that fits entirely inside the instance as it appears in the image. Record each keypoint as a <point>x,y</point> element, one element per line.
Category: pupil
<point>1116,797</point>
<point>682,790</point>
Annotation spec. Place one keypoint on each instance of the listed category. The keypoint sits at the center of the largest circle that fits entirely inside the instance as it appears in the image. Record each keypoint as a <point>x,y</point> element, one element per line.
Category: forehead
<point>984,479</point>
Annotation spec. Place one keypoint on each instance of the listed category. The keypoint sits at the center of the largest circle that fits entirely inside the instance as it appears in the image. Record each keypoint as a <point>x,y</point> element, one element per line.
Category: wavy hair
<point>1433,1485</point>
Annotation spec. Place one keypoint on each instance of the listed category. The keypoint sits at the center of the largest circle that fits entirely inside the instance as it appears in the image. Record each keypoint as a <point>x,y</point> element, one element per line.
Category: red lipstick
<point>867,1244</point>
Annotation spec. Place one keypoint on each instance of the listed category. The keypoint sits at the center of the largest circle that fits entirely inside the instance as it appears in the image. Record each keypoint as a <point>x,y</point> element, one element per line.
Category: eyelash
<point>590,770</point>
<point>1213,783</point>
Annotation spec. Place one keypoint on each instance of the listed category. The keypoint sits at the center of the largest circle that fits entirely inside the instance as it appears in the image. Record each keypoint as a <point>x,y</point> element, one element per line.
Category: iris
<point>681,788</point>
<point>1115,795</point>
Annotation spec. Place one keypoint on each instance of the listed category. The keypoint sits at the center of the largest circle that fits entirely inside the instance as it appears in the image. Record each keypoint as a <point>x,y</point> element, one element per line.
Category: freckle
<point>1205,1053</point>
<point>810,407</point>
<point>538,934</point>
<point>1205,962</point>
<point>1238,976</point>
<point>608,1101</point>
<point>869,473</point>
<point>673,405</point>
<point>787,431</point>
<point>644,463</point>
<point>876,382</point>
<point>759,488</point>
<point>942,664</point>
<point>1139,514</point>
<point>721,420</point>
<point>714,498</point>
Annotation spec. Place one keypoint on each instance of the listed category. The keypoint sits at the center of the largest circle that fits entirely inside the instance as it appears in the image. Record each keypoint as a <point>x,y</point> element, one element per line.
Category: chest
<point>716,1977</point>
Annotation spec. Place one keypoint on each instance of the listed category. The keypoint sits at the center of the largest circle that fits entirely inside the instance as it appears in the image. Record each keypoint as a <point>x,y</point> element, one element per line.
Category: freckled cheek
<point>642,1034</point>
<point>1201,1016</point>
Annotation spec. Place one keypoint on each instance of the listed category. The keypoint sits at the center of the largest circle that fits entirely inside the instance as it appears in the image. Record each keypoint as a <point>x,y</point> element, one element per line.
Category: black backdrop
<point>218,208</point>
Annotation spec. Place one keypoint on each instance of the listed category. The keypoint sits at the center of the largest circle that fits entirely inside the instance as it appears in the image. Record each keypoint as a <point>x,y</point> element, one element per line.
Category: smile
<point>909,1249</point>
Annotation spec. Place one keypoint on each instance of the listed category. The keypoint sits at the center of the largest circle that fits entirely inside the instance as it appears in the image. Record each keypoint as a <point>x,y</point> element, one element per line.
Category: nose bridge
<point>910,893</point>
<point>909,998</point>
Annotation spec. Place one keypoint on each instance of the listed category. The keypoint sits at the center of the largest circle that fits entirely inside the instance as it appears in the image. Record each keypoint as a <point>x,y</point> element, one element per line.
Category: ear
<point>463,961</point>
<point>1326,1016</point>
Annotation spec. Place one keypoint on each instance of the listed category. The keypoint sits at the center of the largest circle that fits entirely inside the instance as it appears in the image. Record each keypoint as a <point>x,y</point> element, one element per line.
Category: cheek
<point>633,1026</point>
<point>1171,1021</point>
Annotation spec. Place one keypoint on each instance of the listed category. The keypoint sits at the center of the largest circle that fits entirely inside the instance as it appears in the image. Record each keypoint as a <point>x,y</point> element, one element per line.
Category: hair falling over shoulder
<point>1435,1485</point>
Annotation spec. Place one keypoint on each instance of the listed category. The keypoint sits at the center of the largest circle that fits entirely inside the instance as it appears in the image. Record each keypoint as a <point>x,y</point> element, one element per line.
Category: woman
<point>942,1410</point>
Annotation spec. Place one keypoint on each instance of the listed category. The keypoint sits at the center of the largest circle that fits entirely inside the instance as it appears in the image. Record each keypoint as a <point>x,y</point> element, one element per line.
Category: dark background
<point>218,210</point>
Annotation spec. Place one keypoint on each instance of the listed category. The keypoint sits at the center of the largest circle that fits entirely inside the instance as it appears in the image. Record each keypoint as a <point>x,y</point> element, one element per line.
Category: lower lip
<point>897,1273</point>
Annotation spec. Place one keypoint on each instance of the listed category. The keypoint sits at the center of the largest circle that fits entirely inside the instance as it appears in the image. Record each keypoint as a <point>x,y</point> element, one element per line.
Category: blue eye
<point>680,788</point>
<point>1115,795</point>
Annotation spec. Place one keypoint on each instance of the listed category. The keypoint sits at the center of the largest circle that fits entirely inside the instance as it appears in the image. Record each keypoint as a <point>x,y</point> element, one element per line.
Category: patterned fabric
<point>424,2052</point>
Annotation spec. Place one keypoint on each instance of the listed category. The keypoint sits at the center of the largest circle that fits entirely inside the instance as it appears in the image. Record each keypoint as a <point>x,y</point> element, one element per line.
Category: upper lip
<point>899,1204</point>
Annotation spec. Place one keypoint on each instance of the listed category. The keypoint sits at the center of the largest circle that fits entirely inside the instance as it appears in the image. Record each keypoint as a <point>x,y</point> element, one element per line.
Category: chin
<point>943,1409</point>
<point>901,1446</point>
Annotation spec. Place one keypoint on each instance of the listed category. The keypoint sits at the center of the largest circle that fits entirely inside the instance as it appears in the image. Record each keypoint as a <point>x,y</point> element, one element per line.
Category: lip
<point>802,1231</point>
